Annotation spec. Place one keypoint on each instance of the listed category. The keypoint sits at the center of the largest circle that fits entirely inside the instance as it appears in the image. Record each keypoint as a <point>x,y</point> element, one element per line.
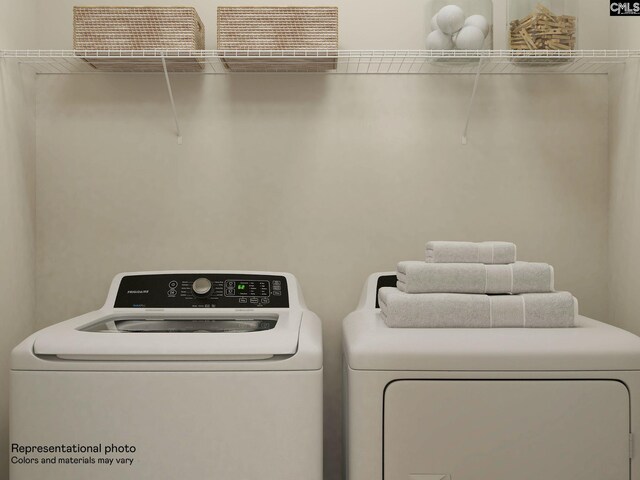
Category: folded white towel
<point>454,310</point>
<point>470,252</point>
<point>519,277</point>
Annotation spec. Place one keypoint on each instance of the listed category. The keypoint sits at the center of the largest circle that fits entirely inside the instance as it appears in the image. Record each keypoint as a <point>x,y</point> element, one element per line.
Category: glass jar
<point>459,25</point>
<point>542,25</point>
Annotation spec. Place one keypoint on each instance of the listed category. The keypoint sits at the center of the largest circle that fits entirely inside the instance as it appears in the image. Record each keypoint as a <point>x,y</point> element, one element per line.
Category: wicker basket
<point>175,29</point>
<point>285,31</point>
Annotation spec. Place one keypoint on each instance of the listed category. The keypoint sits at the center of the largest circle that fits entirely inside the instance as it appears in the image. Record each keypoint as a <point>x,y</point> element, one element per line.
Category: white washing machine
<point>488,404</point>
<point>181,375</point>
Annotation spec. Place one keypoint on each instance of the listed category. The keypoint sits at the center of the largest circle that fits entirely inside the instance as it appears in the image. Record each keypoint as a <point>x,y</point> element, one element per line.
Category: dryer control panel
<point>385,281</point>
<point>201,290</point>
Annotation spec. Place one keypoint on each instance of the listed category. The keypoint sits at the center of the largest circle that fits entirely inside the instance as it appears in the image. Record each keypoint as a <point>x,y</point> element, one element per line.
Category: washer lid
<point>371,345</point>
<point>145,335</point>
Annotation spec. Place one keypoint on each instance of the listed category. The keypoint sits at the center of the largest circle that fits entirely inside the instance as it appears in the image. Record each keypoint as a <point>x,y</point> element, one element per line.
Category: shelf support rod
<point>471,100</point>
<point>173,103</point>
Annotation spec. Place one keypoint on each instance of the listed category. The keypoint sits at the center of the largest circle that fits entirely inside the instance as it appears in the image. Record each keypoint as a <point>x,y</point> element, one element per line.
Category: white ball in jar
<point>437,40</point>
<point>450,19</point>
<point>478,21</point>
<point>469,38</point>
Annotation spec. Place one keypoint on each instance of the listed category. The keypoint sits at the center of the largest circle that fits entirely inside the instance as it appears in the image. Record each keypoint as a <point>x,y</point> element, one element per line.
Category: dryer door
<point>506,430</point>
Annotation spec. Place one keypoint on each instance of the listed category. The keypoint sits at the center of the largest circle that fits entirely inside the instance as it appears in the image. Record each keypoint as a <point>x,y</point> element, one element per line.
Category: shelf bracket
<point>471,100</point>
<point>173,104</point>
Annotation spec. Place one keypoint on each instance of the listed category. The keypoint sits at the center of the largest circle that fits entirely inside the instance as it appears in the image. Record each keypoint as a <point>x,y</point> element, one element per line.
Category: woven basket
<point>175,29</point>
<point>284,31</point>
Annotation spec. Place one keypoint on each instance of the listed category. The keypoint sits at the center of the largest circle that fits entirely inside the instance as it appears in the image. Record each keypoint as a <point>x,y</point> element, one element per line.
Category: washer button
<point>201,286</point>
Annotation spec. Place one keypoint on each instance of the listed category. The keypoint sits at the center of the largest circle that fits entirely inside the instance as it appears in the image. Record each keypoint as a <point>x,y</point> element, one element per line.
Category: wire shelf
<point>63,62</point>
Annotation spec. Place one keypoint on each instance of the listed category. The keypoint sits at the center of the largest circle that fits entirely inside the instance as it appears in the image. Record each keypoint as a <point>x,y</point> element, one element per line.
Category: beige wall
<point>17,199</point>
<point>331,178</point>
<point>624,154</point>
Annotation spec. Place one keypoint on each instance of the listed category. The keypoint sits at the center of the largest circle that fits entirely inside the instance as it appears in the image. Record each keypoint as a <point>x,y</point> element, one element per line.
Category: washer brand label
<point>137,292</point>
<point>617,9</point>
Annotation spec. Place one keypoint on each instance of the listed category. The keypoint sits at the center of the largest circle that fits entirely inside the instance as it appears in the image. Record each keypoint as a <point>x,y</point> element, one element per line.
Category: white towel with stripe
<point>519,277</point>
<point>454,310</point>
<point>471,252</point>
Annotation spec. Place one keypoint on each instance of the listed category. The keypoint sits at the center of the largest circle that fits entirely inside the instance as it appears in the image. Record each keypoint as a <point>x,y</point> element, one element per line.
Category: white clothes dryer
<point>488,404</point>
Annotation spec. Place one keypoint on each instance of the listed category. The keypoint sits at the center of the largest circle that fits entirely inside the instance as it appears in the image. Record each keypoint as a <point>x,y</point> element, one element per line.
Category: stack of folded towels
<point>475,285</point>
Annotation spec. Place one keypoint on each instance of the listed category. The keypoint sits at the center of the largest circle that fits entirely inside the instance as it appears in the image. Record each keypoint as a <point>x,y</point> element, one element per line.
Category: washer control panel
<point>216,290</point>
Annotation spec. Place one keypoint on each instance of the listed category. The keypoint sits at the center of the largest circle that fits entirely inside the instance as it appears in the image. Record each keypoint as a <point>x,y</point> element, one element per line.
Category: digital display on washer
<point>246,288</point>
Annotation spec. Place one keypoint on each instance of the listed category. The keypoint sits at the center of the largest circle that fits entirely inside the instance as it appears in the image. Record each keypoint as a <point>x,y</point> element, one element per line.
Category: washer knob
<point>201,286</point>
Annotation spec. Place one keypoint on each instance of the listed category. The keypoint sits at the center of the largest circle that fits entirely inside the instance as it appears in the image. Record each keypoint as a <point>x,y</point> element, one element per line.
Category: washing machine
<point>488,404</point>
<point>187,375</point>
